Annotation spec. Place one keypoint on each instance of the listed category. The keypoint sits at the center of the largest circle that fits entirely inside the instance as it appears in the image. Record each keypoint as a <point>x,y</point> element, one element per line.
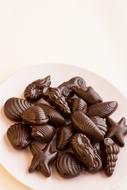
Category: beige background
<point>91,34</point>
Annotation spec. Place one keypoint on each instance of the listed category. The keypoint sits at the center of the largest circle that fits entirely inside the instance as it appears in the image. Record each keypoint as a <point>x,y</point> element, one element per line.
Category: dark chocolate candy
<point>34,90</point>
<point>64,135</point>
<point>78,104</point>
<point>19,135</point>
<point>34,115</point>
<point>117,130</point>
<point>55,118</point>
<point>103,109</point>
<point>68,165</point>
<point>36,146</point>
<point>43,133</point>
<point>84,124</point>
<point>85,152</point>
<point>42,160</point>
<point>13,108</point>
<point>89,94</point>
<point>111,156</point>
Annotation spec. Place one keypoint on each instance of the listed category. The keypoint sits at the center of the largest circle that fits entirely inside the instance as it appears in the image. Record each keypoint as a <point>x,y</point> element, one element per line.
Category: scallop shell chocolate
<point>14,107</point>
<point>43,133</point>
<point>55,118</point>
<point>78,104</point>
<point>84,124</point>
<point>85,152</point>
<point>64,135</point>
<point>36,146</point>
<point>103,109</point>
<point>34,116</point>
<point>34,90</point>
<point>68,165</point>
<point>19,136</point>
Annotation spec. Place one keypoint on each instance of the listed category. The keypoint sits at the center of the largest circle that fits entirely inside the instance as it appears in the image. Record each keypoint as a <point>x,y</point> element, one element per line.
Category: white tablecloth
<point>91,34</point>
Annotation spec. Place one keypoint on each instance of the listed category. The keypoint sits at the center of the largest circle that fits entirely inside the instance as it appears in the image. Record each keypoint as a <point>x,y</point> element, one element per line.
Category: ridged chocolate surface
<point>36,146</point>
<point>78,104</point>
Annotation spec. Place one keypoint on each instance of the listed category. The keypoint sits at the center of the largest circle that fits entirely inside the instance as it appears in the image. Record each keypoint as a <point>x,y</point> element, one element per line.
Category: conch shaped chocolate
<point>55,118</point>
<point>78,104</point>
<point>14,107</point>
<point>34,90</point>
<point>85,152</point>
<point>89,94</point>
<point>19,135</point>
<point>34,116</point>
<point>43,133</point>
<point>103,109</point>
<point>68,165</point>
<point>58,100</point>
<point>64,135</point>
<point>111,154</point>
<point>36,146</point>
<point>84,124</point>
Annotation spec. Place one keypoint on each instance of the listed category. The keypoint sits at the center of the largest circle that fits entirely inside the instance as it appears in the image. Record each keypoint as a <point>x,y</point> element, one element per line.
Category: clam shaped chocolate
<point>43,133</point>
<point>89,94</point>
<point>103,109</point>
<point>14,107</point>
<point>36,146</point>
<point>78,104</point>
<point>85,152</point>
<point>58,100</point>
<point>34,116</point>
<point>34,90</point>
<point>55,118</point>
<point>84,124</point>
<point>19,136</point>
<point>64,135</point>
<point>68,165</point>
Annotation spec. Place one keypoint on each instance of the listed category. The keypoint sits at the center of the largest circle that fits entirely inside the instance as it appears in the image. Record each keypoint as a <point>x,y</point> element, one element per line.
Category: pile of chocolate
<point>66,126</point>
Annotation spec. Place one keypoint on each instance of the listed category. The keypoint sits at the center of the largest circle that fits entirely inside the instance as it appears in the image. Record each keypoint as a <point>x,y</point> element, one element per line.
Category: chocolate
<point>14,107</point>
<point>55,118</point>
<point>34,90</point>
<point>84,124</point>
<point>19,135</point>
<point>68,165</point>
<point>85,152</point>
<point>42,160</point>
<point>36,146</point>
<point>56,98</point>
<point>78,104</point>
<point>43,133</point>
<point>89,95</point>
<point>111,156</point>
<point>34,115</point>
<point>103,109</point>
<point>117,130</point>
<point>42,101</point>
<point>64,135</point>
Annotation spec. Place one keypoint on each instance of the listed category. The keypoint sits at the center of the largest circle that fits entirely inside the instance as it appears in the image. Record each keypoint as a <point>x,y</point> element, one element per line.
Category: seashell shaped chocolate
<point>34,116</point>
<point>14,107</point>
<point>78,104</point>
<point>36,146</point>
<point>43,133</point>
<point>111,155</point>
<point>103,109</point>
<point>19,135</point>
<point>68,165</point>
<point>85,152</point>
<point>84,124</point>
<point>34,90</point>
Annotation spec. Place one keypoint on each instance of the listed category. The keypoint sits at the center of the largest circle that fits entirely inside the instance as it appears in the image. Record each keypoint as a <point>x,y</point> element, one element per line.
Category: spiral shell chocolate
<point>43,133</point>
<point>14,107</point>
<point>34,116</point>
<point>84,124</point>
<point>85,152</point>
<point>103,109</point>
<point>34,90</point>
<point>19,136</point>
<point>64,135</point>
<point>68,165</point>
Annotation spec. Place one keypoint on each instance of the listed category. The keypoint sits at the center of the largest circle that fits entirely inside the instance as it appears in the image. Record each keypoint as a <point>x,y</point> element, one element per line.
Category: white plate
<point>17,162</point>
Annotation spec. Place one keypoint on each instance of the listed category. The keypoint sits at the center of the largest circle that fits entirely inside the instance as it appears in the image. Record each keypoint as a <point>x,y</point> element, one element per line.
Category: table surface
<point>91,34</point>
